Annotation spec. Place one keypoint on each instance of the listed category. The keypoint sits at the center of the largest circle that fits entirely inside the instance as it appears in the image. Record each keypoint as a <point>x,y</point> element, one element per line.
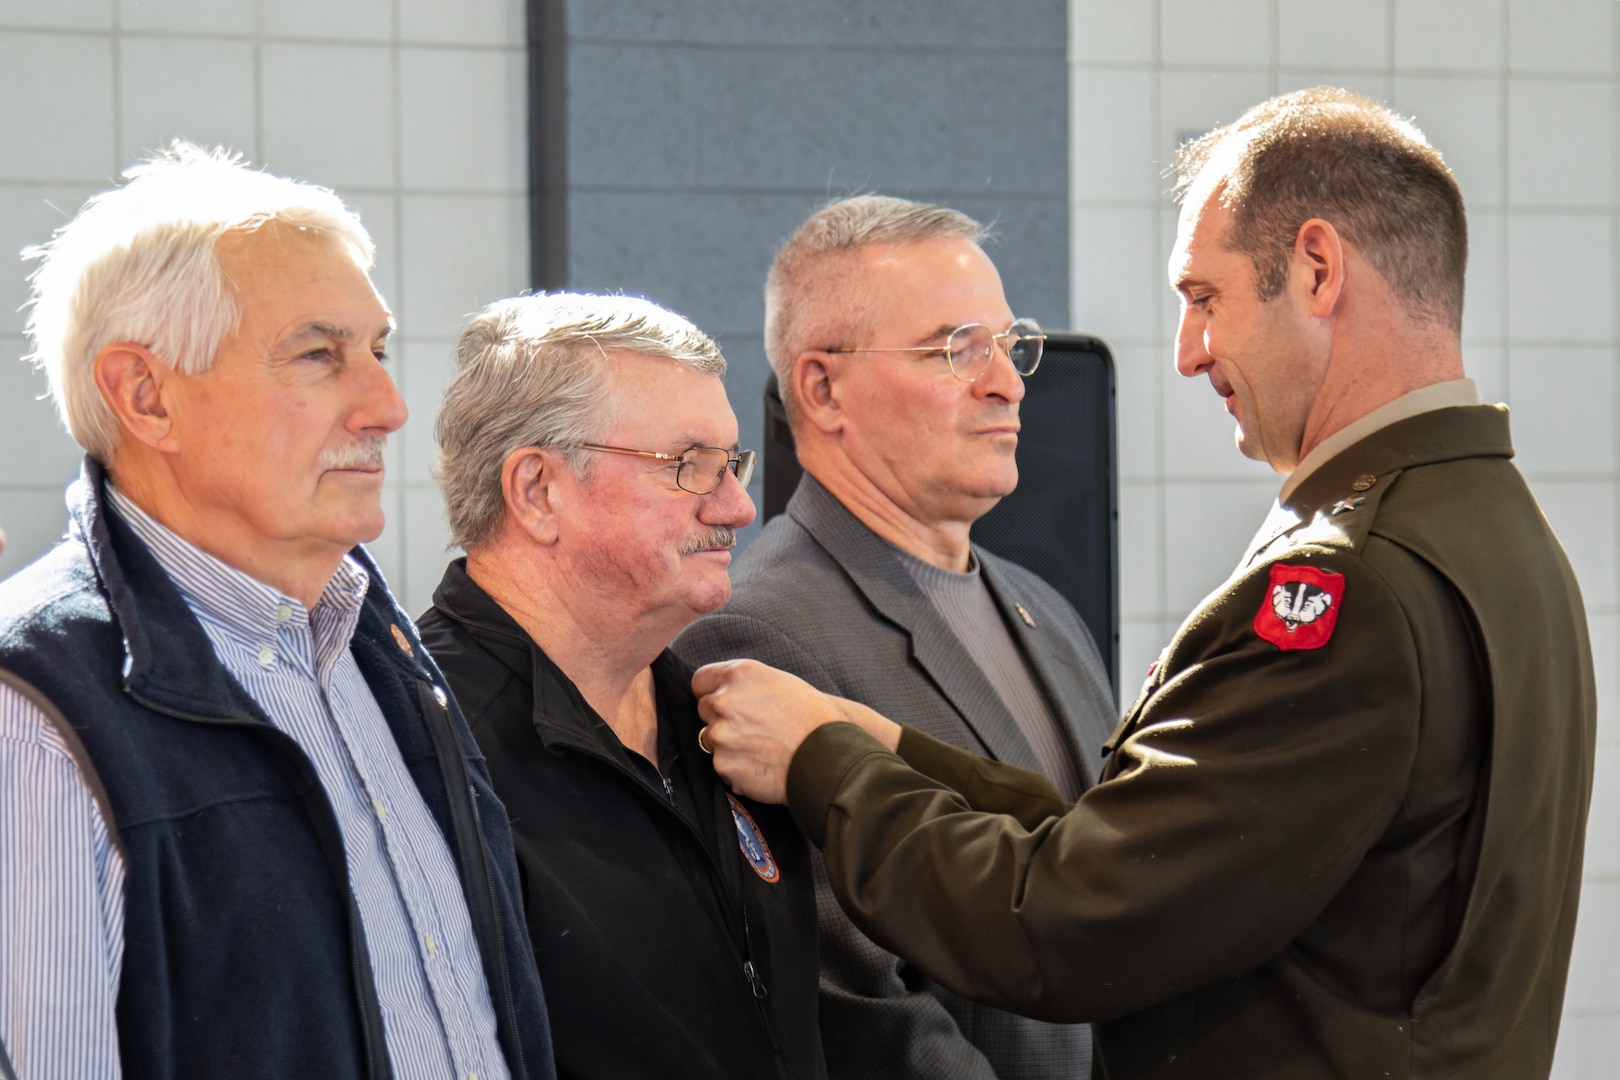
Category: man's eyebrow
<point>692,442</point>
<point>320,330</point>
<point>942,330</point>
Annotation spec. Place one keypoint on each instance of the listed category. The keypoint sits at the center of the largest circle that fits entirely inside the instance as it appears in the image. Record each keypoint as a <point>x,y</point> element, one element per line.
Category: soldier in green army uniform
<point>1340,831</point>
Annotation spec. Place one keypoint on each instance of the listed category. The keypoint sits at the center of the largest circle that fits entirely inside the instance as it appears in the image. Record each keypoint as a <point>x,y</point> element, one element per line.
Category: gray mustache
<point>365,452</point>
<point>721,536</point>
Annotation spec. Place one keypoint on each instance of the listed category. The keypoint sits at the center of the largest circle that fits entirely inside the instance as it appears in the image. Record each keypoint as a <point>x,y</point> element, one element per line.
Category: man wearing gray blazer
<point>902,367</point>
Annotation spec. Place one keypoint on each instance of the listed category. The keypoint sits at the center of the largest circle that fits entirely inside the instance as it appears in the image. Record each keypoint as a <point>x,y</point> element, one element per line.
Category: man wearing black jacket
<point>590,468</point>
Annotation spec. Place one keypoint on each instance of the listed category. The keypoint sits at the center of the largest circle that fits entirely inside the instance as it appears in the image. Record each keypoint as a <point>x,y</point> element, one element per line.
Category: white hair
<point>813,296</point>
<point>533,371</point>
<point>137,264</point>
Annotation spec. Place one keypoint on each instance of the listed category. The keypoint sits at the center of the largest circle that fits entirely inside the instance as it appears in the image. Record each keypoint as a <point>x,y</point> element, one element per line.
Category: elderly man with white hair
<point>243,830</point>
<point>590,469</point>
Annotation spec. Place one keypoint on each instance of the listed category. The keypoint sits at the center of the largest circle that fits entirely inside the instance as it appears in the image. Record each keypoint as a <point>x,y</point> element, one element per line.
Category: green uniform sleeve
<point>1248,787</point>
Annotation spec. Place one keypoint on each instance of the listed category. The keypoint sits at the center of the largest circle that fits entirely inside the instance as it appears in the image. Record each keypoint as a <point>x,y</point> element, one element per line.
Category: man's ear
<point>134,383</point>
<point>531,493</point>
<point>1319,265</point>
<point>816,386</point>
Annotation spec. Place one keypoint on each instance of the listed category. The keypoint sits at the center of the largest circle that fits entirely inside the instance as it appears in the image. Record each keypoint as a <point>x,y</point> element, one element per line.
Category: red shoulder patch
<point>1301,607</point>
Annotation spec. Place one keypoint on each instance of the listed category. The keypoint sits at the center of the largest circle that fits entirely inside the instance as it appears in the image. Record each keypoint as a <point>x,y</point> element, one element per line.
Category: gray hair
<point>137,264</point>
<point>1327,153</point>
<point>812,299</point>
<point>533,371</point>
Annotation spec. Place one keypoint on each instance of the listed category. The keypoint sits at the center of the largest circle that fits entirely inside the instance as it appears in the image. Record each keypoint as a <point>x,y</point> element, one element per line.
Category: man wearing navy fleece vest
<point>246,832</point>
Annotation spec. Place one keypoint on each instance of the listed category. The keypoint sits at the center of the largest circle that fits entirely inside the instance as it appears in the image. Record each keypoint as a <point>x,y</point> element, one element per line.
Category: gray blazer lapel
<point>880,577</point>
<point>1080,698</point>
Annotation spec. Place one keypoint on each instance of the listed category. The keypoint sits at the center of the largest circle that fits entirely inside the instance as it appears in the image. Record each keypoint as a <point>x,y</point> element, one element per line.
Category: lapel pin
<point>1364,482</point>
<point>1022,614</point>
<point>400,639</point>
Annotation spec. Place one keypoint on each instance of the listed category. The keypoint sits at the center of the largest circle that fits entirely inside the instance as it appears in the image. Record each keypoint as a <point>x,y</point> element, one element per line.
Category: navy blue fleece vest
<point>243,952</point>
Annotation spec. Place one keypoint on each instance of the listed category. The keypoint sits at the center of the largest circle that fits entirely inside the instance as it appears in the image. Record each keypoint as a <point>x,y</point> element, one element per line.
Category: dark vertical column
<point>699,133</point>
<point>548,145</point>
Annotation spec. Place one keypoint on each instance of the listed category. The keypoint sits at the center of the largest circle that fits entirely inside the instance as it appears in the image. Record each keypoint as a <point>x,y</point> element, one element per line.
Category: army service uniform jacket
<point>1340,832</point>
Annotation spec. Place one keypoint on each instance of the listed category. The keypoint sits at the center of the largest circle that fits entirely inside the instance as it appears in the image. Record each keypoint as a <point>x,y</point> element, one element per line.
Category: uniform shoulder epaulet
<point>1345,522</point>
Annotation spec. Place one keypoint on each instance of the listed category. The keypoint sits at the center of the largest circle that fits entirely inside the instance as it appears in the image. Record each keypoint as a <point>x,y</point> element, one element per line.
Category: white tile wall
<point>356,20</point>
<point>1450,35</point>
<point>1463,117</point>
<point>413,110</point>
<point>1485,304</point>
<point>328,113</point>
<point>1520,97</point>
<point>1560,277</point>
<point>468,250</point>
<point>1241,36</point>
<point>1110,32</point>
<point>58,15</point>
<point>1333,34</point>
<point>1562,37</point>
<point>67,79</point>
<point>446,146</point>
<point>1560,164</point>
<point>1563,410</point>
<point>195,88</point>
<point>1115,264</point>
<point>188,16</point>
<point>466,22</point>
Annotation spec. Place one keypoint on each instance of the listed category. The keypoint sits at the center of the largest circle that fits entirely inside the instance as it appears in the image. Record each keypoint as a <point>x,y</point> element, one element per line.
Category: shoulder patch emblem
<point>1301,607</point>
<point>752,842</point>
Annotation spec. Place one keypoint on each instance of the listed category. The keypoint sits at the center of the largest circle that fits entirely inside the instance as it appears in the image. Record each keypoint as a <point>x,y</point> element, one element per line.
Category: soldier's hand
<point>758,716</point>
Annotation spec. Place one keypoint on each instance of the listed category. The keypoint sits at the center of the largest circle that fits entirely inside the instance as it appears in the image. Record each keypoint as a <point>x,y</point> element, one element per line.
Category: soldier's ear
<point>817,390</point>
<point>1319,264</point>
<point>531,493</point>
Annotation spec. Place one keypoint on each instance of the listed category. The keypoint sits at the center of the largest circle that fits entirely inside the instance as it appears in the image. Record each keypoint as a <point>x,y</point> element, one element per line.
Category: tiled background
<point>1520,97</point>
<point>413,110</point>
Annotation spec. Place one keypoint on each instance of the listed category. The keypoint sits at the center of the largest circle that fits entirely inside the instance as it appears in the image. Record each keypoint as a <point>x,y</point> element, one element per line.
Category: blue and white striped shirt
<point>61,879</point>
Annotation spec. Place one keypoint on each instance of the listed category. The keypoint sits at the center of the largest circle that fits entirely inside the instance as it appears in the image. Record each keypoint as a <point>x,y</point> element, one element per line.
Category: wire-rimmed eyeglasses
<point>969,349</point>
<point>701,468</point>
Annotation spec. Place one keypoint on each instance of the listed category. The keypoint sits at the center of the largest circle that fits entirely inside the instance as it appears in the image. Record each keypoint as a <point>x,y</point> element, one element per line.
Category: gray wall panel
<point>701,132</point>
<point>818,23</point>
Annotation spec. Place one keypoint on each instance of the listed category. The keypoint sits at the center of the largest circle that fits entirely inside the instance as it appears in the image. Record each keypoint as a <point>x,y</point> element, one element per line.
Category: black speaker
<point>1063,521</point>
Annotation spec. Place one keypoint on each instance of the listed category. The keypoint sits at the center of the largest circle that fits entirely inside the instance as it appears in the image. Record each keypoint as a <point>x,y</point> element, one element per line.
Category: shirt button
<point>267,656</point>
<point>432,946</point>
<point>382,811</point>
<point>283,613</point>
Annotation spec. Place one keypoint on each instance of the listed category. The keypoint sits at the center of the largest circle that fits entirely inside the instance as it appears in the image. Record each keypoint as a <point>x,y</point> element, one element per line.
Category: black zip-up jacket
<point>664,949</point>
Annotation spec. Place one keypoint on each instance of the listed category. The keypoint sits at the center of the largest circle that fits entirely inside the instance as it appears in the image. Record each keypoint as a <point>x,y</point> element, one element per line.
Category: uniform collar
<point>1443,395</point>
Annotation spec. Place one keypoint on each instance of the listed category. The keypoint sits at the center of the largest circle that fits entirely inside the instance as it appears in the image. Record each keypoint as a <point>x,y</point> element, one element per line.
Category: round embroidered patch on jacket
<point>1301,607</point>
<point>752,842</point>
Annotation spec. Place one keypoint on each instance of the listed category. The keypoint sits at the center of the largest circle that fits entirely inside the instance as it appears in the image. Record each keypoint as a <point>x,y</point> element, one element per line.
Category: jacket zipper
<point>365,984</point>
<point>750,970</point>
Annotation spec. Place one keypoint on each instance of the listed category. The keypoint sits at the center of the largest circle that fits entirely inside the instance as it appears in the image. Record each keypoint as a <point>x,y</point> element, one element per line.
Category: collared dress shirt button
<point>267,656</point>
<point>432,946</point>
<point>283,613</point>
